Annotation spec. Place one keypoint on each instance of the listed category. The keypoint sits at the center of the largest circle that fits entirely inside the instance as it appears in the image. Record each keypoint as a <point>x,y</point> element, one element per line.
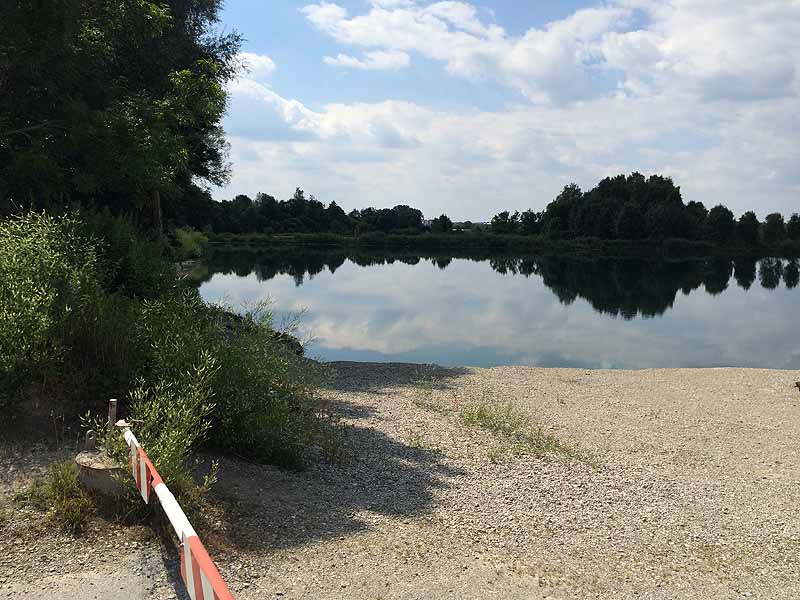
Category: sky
<point>470,108</point>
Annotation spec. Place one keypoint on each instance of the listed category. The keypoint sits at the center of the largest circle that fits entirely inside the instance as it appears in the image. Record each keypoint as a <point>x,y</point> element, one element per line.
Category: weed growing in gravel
<point>514,427</point>
<point>414,439</point>
<point>60,493</point>
<point>425,401</point>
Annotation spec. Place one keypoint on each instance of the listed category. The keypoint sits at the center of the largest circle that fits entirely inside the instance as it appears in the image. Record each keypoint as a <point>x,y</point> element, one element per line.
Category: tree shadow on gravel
<point>376,377</point>
<point>271,509</point>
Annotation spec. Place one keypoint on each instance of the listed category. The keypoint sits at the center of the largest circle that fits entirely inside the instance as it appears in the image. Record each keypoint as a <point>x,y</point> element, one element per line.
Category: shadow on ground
<point>375,378</point>
<point>271,509</point>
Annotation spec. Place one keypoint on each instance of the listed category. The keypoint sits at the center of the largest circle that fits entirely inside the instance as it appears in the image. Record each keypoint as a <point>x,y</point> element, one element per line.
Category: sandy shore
<point>682,484</point>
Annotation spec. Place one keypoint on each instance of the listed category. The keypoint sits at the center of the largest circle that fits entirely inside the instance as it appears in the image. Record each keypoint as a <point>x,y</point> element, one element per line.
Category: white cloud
<point>714,50</point>
<point>706,92</point>
<point>256,65</point>
<point>377,60</point>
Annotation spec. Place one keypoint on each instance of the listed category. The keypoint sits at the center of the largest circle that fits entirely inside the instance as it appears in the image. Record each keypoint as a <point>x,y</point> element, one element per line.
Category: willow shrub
<point>86,309</point>
<point>49,288</point>
<point>265,401</point>
<point>267,405</point>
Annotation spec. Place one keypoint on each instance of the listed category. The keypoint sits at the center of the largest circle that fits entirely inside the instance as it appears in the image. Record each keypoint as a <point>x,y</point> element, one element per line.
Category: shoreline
<point>482,243</point>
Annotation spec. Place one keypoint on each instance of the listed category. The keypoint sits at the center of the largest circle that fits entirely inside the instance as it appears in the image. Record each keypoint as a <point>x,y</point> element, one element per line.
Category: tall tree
<point>530,222</point>
<point>774,230</point>
<point>747,228</point>
<point>793,227</point>
<point>441,224</point>
<point>719,224</point>
<point>115,103</point>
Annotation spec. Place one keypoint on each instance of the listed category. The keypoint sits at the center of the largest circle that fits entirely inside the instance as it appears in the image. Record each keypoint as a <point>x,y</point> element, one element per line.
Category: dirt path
<point>686,485</point>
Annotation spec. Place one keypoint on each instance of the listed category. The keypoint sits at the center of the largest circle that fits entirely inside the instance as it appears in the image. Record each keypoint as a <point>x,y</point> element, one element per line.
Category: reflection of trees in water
<point>626,288</point>
<point>769,272</point>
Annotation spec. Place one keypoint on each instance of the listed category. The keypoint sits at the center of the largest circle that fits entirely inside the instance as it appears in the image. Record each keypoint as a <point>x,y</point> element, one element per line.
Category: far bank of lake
<point>486,309</point>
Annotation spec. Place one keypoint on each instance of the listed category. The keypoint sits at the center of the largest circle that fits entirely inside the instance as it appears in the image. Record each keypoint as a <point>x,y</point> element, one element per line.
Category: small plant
<point>497,454</point>
<point>414,439</point>
<point>514,427</point>
<point>425,401</point>
<point>60,494</point>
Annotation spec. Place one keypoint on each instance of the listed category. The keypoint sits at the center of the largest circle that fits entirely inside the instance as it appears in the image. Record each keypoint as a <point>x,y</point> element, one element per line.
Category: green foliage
<point>793,227</point>
<point>175,413</point>
<point>505,222</point>
<point>530,222</point>
<point>774,230</point>
<point>82,120</point>
<point>747,228</point>
<point>61,494</point>
<point>441,224</point>
<point>720,224</point>
<point>553,228</point>
<point>48,287</point>
<point>191,243</point>
<point>268,408</point>
<point>630,223</point>
<point>514,427</point>
<point>194,373</point>
<point>129,264</point>
<point>629,208</point>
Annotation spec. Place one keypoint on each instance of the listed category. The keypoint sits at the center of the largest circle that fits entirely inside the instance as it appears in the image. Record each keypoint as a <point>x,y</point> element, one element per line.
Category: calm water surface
<point>487,311</point>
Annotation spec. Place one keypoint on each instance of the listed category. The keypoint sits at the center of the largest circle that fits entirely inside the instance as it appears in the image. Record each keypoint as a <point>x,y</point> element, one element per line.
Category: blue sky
<point>469,108</point>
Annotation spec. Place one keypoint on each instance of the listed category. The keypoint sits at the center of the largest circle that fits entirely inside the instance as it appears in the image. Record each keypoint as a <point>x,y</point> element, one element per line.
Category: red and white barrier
<point>202,579</point>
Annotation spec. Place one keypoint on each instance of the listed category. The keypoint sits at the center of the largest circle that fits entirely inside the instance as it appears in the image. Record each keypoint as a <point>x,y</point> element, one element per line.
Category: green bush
<point>175,418</point>
<point>267,406</point>
<point>129,264</point>
<point>191,243</point>
<point>93,311</point>
<point>49,287</point>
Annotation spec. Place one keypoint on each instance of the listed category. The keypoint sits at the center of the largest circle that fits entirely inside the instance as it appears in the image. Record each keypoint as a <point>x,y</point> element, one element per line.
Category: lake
<point>507,310</point>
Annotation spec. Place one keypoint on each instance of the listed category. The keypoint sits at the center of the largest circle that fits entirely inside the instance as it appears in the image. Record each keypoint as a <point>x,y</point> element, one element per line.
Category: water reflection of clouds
<point>470,314</point>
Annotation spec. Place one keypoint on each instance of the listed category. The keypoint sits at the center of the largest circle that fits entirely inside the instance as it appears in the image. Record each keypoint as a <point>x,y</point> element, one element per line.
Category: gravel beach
<point>676,483</point>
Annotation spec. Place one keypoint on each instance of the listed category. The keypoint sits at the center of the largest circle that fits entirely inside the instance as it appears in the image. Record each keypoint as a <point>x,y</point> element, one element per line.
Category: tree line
<point>632,207</point>
<point>635,208</point>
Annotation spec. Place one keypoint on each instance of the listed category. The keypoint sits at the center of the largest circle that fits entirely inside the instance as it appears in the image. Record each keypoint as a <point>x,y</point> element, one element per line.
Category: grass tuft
<point>515,428</point>
<point>425,400</point>
<point>60,494</point>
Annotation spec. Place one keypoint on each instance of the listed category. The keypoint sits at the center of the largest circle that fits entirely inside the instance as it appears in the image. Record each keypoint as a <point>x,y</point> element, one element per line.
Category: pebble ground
<point>680,484</point>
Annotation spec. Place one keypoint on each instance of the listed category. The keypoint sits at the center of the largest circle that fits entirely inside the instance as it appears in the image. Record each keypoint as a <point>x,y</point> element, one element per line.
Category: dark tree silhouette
<point>793,227</point>
<point>774,230</point>
<point>791,274</point>
<point>747,228</point>
<point>441,224</point>
<point>719,224</point>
